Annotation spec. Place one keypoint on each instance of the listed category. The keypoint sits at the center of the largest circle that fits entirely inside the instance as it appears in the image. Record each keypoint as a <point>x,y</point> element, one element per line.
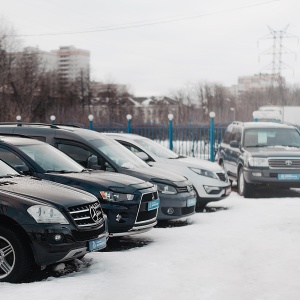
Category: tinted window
<point>227,134</point>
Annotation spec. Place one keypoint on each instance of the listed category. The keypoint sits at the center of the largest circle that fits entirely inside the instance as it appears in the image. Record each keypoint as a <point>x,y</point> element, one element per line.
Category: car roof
<point>124,135</point>
<point>263,125</point>
<point>18,139</point>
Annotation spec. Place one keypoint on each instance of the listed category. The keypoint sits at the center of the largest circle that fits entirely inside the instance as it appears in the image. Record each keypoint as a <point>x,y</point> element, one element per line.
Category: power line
<point>150,23</point>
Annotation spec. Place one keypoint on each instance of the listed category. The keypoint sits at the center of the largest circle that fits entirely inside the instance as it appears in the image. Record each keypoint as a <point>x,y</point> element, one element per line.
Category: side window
<point>82,154</point>
<point>236,135</point>
<point>130,147</point>
<point>10,158</point>
<point>227,135</point>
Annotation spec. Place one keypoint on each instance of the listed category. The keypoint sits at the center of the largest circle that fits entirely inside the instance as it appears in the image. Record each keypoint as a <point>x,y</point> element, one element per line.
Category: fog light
<point>170,210</point>
<point>118,218</point>
<point>256,174</point>
<point>57,237</point>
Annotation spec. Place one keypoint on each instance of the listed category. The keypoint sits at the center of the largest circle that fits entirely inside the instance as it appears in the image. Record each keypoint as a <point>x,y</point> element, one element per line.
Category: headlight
<point>258,162</point>
<point>165,189</point>
<point>46,214</point>
<point>205,173</point>
<point>115,197</point>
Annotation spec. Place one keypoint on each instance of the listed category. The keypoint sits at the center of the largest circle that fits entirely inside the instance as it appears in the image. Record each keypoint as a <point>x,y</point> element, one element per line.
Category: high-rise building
<point>72,62</point>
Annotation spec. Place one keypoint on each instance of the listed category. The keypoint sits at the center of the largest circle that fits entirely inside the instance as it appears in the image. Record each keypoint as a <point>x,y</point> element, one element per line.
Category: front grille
<point>149,197</point>
<point>144,215</point>
<point>187,210</point>
<point>87,235</point>
<point>89,215</point>
<point>222,176</point>
<point>284,163</point>
<point>185,189</point>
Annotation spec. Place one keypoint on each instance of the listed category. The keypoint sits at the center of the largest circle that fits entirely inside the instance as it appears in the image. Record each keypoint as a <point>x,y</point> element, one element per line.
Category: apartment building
<point>72,62</point>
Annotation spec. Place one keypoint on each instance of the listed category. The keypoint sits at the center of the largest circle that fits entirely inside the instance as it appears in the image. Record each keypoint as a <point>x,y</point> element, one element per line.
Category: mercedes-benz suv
<point>44,223</point>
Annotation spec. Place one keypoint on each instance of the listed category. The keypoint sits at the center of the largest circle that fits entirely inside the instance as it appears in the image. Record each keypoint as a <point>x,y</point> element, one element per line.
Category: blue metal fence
<point>188,140</point>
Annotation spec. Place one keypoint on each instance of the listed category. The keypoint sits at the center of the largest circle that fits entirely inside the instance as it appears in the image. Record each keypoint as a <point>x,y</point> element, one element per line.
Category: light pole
<point>91,118</point>
<point>18,118</point>
<point>170,117</point>
<point>129,117</point>
<point>233,111</point>
<point>52,118</point>
<point>212,135</point>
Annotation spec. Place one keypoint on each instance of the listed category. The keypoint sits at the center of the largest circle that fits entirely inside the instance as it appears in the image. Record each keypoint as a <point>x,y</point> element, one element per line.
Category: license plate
<point>288,176</point>
<point>228,190</point>
<point>153,204</point>
<point>97,244</point>
<point>191,202</point>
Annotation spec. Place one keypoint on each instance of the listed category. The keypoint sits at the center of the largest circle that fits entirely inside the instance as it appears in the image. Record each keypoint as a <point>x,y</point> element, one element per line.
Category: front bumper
<point>205,197</point>
<point>131,217</point>
<point>177,204</point>
<point>73,243</point>
<point>273,177</point>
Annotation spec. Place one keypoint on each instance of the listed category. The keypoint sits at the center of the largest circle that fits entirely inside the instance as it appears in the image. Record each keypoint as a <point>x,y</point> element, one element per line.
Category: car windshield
<point>6,170</point>
<point>265,137</point>
<point>123,157</point>
<point>50,159</point>
<point>156,148</point>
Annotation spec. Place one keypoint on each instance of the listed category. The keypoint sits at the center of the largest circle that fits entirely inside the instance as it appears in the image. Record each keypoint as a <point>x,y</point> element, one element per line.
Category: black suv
<point>43,223</point>
<point>131,204</point>
<point>261,153</point>
<point>96,151</point>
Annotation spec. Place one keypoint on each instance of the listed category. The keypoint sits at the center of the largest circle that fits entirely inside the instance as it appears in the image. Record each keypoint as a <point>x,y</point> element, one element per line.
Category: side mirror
<point>92,163</point>
<point>234,144</point>
<point>23,169</point>
<point>142,155</point>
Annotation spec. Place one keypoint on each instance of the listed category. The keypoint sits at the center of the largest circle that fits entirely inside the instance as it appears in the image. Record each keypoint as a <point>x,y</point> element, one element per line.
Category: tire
<point>244,188</point>
<point>15,258</point>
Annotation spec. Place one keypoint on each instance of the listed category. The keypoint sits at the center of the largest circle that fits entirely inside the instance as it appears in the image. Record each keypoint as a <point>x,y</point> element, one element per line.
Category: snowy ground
<point>244,249</point>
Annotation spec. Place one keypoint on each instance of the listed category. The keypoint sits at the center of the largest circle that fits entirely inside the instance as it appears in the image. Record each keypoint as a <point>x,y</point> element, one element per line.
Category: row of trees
<point>28,89</point>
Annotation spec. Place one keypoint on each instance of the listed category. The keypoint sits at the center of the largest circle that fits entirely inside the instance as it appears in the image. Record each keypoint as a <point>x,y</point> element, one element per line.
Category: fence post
<point>129,117</point>
<point>91,118</point>
<point>170,117</point>
<point>211,135</point>
<point>52,118</point>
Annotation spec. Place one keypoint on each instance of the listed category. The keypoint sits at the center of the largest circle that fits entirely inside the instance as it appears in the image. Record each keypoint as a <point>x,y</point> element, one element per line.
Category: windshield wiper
<point>59,171</point>
<point>257,146</point>
<point>10,175</point>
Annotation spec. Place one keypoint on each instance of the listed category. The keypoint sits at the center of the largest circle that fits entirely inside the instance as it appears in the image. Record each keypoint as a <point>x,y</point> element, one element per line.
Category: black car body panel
<point>67,138</point>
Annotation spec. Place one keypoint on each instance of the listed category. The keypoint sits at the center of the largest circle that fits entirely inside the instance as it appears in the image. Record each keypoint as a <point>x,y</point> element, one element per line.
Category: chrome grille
<point>284,163</point>
<point>185,189</point>
<point>88,215</point>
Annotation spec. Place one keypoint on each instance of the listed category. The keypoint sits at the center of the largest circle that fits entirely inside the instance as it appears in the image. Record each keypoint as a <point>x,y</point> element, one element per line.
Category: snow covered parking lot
<point>245,249</point>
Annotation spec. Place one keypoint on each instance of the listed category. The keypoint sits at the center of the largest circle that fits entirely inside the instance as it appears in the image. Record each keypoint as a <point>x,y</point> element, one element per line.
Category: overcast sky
<point>159,46</point>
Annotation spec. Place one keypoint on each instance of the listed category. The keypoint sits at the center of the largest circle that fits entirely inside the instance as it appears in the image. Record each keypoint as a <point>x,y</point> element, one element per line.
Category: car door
<point>82,153</point>
<point>234,152</point>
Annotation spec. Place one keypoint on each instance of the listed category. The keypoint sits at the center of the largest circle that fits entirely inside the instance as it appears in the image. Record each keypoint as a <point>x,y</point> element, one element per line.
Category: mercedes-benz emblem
<point>288,162</point>
<point>94,214</point>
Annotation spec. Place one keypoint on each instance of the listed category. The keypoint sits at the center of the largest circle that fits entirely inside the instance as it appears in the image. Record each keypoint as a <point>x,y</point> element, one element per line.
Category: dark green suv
<point>261,153</point>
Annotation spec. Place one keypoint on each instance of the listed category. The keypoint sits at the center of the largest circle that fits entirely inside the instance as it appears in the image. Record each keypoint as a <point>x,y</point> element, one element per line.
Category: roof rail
<point>40,124</point>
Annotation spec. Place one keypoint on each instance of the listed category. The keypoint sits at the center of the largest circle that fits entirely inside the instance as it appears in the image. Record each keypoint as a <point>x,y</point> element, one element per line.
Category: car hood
<point>159,175</point>
<point>109,180</point>
<point>193,162</point>
<point>43,191</point>
<point>274,151</point>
